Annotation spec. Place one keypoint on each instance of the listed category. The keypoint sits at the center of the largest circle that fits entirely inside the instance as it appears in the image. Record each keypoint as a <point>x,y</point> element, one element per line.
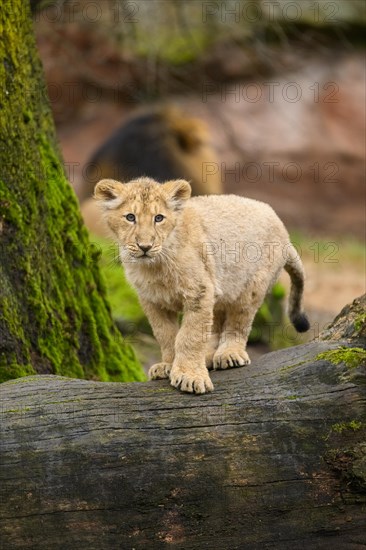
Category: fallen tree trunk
<point>274,458</point>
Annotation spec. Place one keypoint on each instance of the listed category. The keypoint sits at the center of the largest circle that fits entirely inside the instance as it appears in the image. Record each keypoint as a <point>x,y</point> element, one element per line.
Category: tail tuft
<point>295,269</point>
<point>301,322</point>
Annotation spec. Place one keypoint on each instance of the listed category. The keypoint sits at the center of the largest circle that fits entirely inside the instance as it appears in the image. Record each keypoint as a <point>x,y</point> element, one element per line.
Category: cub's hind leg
<point>213,336</point>
<point>239,317</point>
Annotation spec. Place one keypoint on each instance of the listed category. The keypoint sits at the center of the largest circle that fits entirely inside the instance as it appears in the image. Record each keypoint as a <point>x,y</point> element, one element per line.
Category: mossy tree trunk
<point>274,458</point>
<point>54,317</point>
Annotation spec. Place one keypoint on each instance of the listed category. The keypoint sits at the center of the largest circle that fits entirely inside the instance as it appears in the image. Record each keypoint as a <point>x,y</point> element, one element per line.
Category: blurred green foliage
<point>178,32</point>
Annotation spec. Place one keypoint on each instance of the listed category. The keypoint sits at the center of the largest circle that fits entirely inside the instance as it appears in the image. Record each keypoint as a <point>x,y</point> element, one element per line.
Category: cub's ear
<point>110,193</point>
<point>177,192</point>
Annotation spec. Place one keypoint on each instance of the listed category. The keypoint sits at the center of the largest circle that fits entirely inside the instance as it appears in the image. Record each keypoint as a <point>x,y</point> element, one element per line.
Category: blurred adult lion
<point>161,143</point>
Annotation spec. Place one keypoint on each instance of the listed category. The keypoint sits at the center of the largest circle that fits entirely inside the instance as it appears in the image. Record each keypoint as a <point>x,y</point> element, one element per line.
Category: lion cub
<point>212,258</point>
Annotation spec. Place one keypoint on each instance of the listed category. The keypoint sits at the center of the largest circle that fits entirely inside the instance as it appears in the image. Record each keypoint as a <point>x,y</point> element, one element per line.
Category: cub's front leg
<point>189,372</point>
<point>165,327</point>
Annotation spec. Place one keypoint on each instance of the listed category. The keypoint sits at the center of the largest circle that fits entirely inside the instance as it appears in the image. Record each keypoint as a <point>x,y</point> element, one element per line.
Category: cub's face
<point>142,214</point>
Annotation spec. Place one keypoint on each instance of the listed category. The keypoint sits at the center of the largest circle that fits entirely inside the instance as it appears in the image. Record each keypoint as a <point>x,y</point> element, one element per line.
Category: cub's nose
<point>144,247</point>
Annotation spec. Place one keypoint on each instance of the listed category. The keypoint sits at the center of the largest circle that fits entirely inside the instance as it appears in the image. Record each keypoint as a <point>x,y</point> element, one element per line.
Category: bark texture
<point>274,458</point>
<point>54,317</point>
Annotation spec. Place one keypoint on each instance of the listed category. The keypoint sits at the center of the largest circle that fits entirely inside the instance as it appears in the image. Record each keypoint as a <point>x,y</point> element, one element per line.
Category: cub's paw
<point>160,371</point>
<point>229,358</point>
<point>191,380</point>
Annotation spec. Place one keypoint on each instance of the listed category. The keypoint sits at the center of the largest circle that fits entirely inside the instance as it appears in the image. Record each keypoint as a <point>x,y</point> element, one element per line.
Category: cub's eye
<point>159,218</point>
<point>130,217</point>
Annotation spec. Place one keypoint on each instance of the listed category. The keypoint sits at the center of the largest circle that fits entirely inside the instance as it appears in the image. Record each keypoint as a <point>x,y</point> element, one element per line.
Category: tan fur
<point>212,258</point>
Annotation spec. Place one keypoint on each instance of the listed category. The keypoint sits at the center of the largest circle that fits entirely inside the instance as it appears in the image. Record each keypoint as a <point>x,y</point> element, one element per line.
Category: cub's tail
<point>295,269</point>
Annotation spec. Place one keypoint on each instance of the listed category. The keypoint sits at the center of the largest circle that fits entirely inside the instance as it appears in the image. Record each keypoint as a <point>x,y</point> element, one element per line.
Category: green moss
<point>122,297</point>
<point>353,425</point>
<point>55,318</point>
<point>290,367</point>
<point>350,465</point>
<point>20,411</point>
<point>360,321</point>
<point>157,390</point>
<point>14,370</point>
<point>351,357</point>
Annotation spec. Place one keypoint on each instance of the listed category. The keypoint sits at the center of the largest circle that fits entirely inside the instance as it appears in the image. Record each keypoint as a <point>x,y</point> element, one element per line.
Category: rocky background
<point>281,86</point>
